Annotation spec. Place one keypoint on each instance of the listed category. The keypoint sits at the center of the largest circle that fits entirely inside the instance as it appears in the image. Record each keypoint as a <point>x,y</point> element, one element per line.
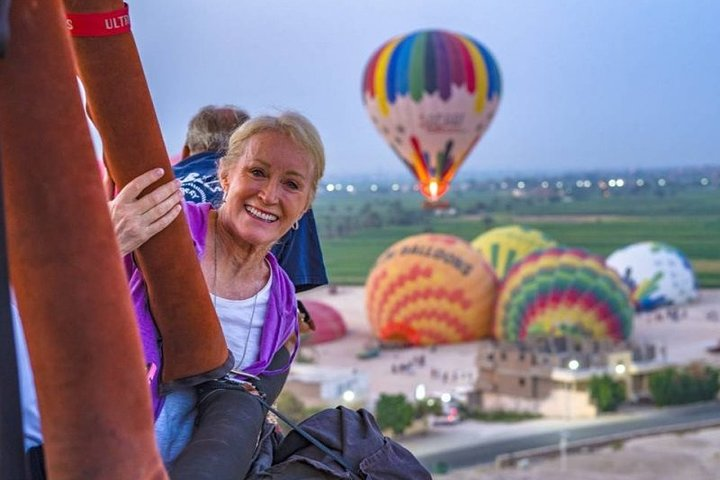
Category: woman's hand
<point>136,220</point>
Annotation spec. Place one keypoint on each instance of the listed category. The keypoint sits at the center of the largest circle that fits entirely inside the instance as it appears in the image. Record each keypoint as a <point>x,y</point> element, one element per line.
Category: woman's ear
<point>223,178</point>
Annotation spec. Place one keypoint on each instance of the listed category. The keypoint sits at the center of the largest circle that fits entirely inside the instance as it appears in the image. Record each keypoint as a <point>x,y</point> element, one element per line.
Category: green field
<point>355,229</point>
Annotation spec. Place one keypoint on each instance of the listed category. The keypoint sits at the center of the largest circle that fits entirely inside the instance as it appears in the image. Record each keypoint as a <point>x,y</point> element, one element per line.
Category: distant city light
<point>445,397</point>
<point>348,395</point>
<point>573,364</point>
<point>579,184</point>
<point>521,185</point>
<point>704,182</point>
<point>350,188</point>
<point>395,187</point>
<point>620,368</point>
<point>544,184</point>
<point>420,392</point>
<point>661,182</point>
<point>611,183</point>
<point>558,184</point>
<point>338,186</point>
<point>619,182</point>
<point>373,188</point>
<point>587,184</point>
<point>431,402</point>
<point>639,182</point>
<point>330,187</point>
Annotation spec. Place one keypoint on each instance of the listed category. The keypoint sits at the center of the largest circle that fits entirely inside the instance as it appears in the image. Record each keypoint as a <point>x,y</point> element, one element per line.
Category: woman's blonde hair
<point>292,124</point>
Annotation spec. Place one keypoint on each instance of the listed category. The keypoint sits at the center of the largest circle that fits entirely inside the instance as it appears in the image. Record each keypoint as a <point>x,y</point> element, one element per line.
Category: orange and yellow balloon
<point>432,95</point>
<point>430,289</point>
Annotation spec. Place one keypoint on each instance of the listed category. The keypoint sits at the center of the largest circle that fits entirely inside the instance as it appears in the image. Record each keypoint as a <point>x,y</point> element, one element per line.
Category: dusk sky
<point>586,84</point>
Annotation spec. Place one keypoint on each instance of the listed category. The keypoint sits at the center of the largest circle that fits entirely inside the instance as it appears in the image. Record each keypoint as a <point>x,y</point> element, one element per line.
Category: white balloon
<point>658,274</point>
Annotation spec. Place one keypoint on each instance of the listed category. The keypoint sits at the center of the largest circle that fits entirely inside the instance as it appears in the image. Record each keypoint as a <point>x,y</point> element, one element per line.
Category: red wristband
<point>98,24</point>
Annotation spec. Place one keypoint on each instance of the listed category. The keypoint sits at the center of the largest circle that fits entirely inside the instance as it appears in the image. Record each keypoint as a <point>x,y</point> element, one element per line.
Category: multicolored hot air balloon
<point>502,247</point>
<point>429,289</point>
<point>563,292</point>
<point>657,274</point>
<point>432,95</point>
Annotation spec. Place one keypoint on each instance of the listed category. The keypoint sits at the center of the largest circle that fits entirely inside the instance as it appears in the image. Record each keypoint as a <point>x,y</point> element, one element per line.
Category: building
<point>550,375</point>
<point>318,386</point>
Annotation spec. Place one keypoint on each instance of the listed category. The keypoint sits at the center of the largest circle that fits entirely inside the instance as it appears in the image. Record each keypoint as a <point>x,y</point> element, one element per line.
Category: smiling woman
<point>268,176</point>
<point>266,190</point>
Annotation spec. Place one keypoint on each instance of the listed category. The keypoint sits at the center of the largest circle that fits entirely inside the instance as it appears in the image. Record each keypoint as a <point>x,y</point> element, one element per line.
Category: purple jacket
<point>280,321</point>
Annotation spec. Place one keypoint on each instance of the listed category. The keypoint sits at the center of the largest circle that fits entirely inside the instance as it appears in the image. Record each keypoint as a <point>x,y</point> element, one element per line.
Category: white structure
<point>328,386</point>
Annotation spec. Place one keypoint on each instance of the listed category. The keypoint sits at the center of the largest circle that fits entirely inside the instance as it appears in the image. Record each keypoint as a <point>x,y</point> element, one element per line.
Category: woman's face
<point>267,189</point>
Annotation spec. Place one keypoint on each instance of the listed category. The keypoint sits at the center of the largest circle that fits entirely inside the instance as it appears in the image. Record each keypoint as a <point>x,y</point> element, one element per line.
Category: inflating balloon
<point>657,274</point>
<point>563,292</point>
<point>502,247</point>
<point>329,324</point>
<point>432,95</point>
<point>430,289</point>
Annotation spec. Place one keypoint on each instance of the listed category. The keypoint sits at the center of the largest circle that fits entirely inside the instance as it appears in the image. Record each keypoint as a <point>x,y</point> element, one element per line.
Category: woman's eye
<point>256,172</point>
<point>292,185</point>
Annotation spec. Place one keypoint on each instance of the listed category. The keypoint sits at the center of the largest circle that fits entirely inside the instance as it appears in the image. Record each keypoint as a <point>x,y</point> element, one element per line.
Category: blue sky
<point>586,84</point>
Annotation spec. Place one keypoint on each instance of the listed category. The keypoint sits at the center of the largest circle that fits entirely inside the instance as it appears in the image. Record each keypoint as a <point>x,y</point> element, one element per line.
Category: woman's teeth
<point>266,217</point>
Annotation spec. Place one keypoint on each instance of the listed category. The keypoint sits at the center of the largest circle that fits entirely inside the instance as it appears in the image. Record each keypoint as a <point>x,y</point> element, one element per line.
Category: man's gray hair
<point>211,127</point>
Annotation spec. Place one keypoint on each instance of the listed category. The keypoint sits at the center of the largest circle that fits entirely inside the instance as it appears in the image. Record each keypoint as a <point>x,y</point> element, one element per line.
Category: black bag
<point>355,437</point>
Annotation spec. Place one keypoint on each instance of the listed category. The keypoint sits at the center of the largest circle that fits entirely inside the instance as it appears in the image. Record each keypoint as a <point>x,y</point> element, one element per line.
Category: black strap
<point>4,26</point>
<point>12,459</point>
<point>327,451</point>
<point>36,463</point>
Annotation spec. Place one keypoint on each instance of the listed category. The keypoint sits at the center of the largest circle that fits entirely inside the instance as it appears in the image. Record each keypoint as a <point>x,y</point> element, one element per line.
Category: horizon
<point>498,175</point>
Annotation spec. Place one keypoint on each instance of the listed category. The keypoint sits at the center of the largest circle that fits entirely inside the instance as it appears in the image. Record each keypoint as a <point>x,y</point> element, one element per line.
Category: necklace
<point>215,295</point>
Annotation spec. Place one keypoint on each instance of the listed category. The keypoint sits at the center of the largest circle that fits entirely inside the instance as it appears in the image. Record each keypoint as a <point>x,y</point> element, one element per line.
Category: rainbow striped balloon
<point>432,95</point>
<point>563,291</point>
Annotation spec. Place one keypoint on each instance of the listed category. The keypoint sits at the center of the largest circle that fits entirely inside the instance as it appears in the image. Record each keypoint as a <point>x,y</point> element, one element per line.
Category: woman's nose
<point>269,192</point>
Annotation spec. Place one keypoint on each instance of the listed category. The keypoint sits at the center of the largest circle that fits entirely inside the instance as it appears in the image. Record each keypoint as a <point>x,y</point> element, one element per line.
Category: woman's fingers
<point>135,187</point>
<point>169,192</point>
<point>136,220</point>
<point>163,221</point>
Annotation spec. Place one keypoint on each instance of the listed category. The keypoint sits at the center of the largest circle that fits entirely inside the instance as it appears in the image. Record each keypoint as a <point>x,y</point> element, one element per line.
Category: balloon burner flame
<point>433,188</point>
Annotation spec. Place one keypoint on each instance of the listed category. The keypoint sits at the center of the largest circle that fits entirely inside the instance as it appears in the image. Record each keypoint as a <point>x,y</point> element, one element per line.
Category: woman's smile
<point>260,215</point>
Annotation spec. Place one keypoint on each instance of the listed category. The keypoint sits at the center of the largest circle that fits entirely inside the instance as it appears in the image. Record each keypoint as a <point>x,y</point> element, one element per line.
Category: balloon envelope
<point>563,291</point>
<point>329,324</point>
<point>502,247</point>
<point>430,289</point>
<point>432,95</point>
<point>657,274</point>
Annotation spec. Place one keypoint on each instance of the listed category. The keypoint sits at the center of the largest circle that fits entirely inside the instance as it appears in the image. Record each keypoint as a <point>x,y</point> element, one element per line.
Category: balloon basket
<point>436,205</point>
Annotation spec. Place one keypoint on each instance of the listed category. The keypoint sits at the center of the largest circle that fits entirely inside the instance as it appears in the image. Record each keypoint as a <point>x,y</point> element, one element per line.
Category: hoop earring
<point>295,225</point>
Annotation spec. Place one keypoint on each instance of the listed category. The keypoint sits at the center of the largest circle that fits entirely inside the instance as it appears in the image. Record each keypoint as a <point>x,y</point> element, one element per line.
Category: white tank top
<point>242,322</point>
